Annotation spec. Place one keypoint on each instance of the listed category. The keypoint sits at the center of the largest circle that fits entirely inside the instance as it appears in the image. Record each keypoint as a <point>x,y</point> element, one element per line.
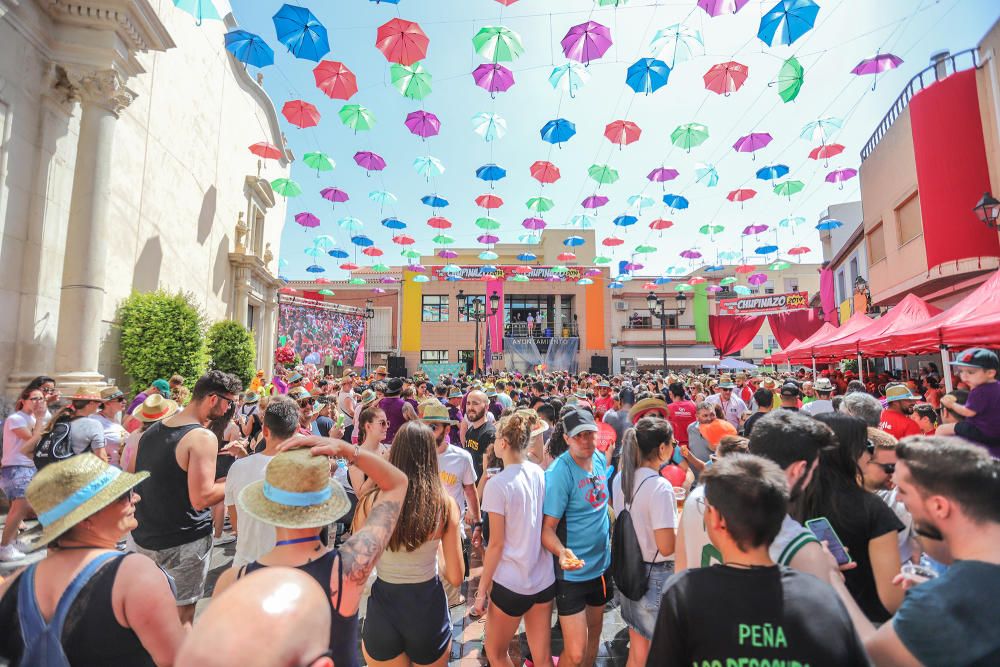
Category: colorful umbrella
<point>791,222</point>
<point>266,150</point>
<point>829,224</point>
<point>675,202</point>
<point>584,281</point>
<point>772,172</point>
<point>612,241</point>
<point>315,268</point>
<point>594,201</point>
<point>381,197</point>
<point>581,222</point>
<point>586,41</point>
<point>790,79</point>
<point>707,174</point>
<point>726,78</point>
<point>681,42</point>
<point>826,152</point>
<point>434,201</point>
<point>299,30</point>
<point>369,161</point>
<point>488,239</point>
<point>420,278</point>
<point>841,175</point>
<point>545,172</point>
<point>573,241</point>
<point>660,224</point>
<point>428,166</point>
<point>711,230</point>
<point>717,7</point>
<point>442,239</point>
<point>799,250</point>
<point>645,249</point>
<point>882,62</point>
<point>249,49</point>
<point>199,9</point>
<point>690,254</point>
<point>325,292</point>
<point>602,174</point>
<point>729,255</point>
<point>689,135</point>
<point>324,241</point>
<point>754,229</point>
<point>393,223</point>
<point>557,131</point>
<point>356,117</point>
<point>752,143</point>
<point>788,20</point>
<point>490,173</point>
<point>742,290</point>
<point>647,75</point>
<point>527,257</point>
<point>622,132</point>
<point>286,187</point>
<point>534,224</point>
<point>757,278</point>
<point>318,161</point>
<point>413,81</point>
<point>569,77</point>
<point>639,202</point>
<point>498,44</point>
<point>300,114</point>
<point>401,41</point>
<point>447,254</point>
<point>729,280</point>
<point>334,195</point>
<point>439,223</point>
<point>335,80</point>
<point>745,268</point>
<point>350,224</point>
<point>307,219</point>
<point>662,175</point>
<point>779,265</point>
<point>822,129</point>
<point>489,202</point>
<point>372,252</point>
<point>625,221</point>
<point>489,126</point>
<point>489,256</point>
<point>599,260</point>
<point>766,249</point>
<point>539,204</point>
<point>487,224</point>
<point>493,77</point>
<point>423,124</point>
<point>788,188</point>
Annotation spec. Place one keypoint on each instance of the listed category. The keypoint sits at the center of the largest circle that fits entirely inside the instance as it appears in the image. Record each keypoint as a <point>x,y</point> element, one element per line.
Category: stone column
<point>266,353</point>
<point>103,96</point>
<point>242,303</point>
<point>557,320</point>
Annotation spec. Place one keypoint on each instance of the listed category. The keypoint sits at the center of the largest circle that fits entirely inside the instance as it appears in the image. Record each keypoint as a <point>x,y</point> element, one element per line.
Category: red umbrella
<point>506,3</point>
<point>741,195</point>
<point>566,257</point>
<point>799,250</point>
<point>402,41</point>
<point>522,269</point>
<point>660,224</point>
<point>489,201</point>
<point>439,223</point>
<point>403,239</point>
<point>349,267</point>
<point>335,80</point>
<point>301,114</point>
<point>613,241</point>
<point>745,268</point>
<point>726,78</point>
<point>266,150</point>
<point>622,132</point>
<point>545,172</point>
<point>825,152</point>
<point>372,251</point>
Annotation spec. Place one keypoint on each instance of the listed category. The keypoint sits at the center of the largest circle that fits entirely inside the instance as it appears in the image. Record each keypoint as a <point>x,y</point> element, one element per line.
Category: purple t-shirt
<point>392,406</point>
<point>984,400</point>
<point>136,402</point>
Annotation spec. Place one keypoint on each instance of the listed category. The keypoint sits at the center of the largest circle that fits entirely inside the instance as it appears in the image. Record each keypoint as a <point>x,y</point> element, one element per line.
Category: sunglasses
<point>887,468</point>
<point>307,402</point>
<point>230,401</point>
<point>128,496</point>
<point>870,447</point>
<point>37,398</point>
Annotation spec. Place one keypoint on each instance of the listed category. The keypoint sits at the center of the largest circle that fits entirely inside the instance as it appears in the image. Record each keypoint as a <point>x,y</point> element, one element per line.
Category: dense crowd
<point>782,519</point>
<point>319,336</point>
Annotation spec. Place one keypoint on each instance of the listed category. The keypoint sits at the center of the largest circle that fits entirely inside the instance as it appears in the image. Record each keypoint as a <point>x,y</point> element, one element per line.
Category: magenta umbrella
<point>757,278</point>
<point>334,195</point>
<point>754,229</point>
<point>586,41</point>
<point>841,175</point>
<point>416,268</point>
<point>752,142</point>
<point>493,77</point>
<point>423,124</point>
<point>690,254</point>
<point>882,62</point>
<point>595,201</point>
<point>592,272</point>
<point>370,161</point>
<point>307,219</point>
<point>447,254</point>
<point>662,175</point>
<point>717,7</point>
<point>632,266</point>
<point>488,239</point>
<point>533,224</point>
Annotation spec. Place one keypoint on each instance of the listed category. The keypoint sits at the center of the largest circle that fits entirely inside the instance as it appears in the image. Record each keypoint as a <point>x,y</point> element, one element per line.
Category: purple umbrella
<point>662,175</point>
<point>423,124</point>
<point>447,254</point>
<point>586,41</point>
<point>690,254</point>
<point>387,280</point>
<point>841,175</point>
<point>417,268</point>
<point>370,161</point>
<point>752,142</point>
<point>334,195</point>
<point>595,201</point>
<point>533,224</point>
<point>754,229</point>
<point>488,239</point>
<point>493,77</point>
<point>717,7</point>
<point>757,278</point>
<point>307,219</point>
<point>882,62</point>
<point>552,278</point>
<point>632,266</point>
<point>592,272</point>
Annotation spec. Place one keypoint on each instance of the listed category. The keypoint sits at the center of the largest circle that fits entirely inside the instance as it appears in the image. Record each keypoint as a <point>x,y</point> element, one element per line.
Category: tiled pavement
<point>467,645</point>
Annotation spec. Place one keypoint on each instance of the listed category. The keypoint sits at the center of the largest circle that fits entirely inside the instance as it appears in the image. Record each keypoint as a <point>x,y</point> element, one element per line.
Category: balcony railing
<point>521,330</point>
<point>935,72</point>
<point>656,326</point>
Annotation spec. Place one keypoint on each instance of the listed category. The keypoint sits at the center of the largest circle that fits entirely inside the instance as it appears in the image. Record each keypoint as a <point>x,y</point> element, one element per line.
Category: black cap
<point>578,421</point>
<point>978,357</point>
<point>790,390</point>
<point>394,386</point>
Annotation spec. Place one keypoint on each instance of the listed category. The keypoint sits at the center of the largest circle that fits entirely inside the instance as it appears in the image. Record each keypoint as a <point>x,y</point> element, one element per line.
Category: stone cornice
<point>257,268</point>
<point>105,88</point>
<point>261,187</point>
<point>135,21</point>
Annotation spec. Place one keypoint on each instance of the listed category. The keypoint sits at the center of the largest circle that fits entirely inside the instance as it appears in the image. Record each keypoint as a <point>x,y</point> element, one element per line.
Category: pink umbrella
<point>369,161</point>
<point>754,229</point>
<point>447,254</point>
<point>334,195</point>
<point>372,251</point>
<point>387,280</point>
<point>882,62</point>
<point>566,256</point>
<point>752,142</point>
<point>488,239</point>
<point>533,224</point>
<point>545,172</point>
<point>493,77</point>
<point>307,219</point>
<point>586,41</point>
<point>423,124</point>
<point>403,239</point>
<point>841,175</point>
<point>757,279</point>
<point>713,289</point>
<point>690,254</point>
<point>697,280</point>
<point>595,201</point>
<point>622,132</point>
<point>726,78</point>
<point>439,223</point>
<point>592,272</point>
<point>632,266</point>
<point>417,268</point>
<point>662,175</point>
<point>741,195</point>
<point>717,7</point>
<point>489,201</point>
<point>612,241</point>
<point>660,224</point>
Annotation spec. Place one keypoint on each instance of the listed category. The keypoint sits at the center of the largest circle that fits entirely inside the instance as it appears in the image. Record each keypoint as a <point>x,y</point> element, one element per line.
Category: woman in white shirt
<point>650,501</point>
<point>21,432</point>
<point>517,570</point>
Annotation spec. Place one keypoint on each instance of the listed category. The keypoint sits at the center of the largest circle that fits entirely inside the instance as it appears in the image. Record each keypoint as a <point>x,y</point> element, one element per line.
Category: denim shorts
<point>14,480</point>
<point>640,615</point>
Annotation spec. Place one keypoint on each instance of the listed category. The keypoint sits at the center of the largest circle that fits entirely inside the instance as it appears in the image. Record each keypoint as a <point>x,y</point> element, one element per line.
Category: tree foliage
<point>231,349</point>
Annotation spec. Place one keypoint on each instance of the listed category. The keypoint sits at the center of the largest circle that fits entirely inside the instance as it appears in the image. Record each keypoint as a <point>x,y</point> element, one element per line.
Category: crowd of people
<point>734,520</point>
<point>320,336</point>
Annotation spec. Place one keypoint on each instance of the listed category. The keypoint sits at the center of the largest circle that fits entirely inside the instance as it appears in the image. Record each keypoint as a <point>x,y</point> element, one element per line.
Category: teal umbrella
<point>490,126</point>
<point>199,9</point>
<point>570,77</point>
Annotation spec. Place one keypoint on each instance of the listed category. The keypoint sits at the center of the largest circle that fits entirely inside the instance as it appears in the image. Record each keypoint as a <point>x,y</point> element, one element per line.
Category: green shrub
<point>231,349</point>
<point>161,334</point>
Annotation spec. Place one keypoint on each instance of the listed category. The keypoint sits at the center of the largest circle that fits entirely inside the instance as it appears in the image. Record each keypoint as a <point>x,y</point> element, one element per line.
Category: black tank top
<point>343,629</point>
<point>165,515</point>
<point>91,635</point>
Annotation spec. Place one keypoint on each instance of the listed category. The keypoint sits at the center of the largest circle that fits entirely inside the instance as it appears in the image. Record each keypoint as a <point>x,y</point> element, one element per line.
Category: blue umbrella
<point>662,281</point>
<point>249,49</point>
<point>337,253</point>
<point>362,241</point>
<point>487,268</point>
<point>303,34</point>
<point>625,221</point>
<point>790,18</point>
<point>315,268</point>
<point>647,75</point>
<point>714,267</point>
<point>557,131</point>
<point>766,249</point>
<point>527,257</point>
<point>388,2</point>
<point>490,173</point>
<point>772,172</point>
<point>434,201</point>
<point>573,241</point>
<point>393,223</point>
<point>616,285</point>
<point>829,224</point>
<point>453,277</point>
<point>675,202</point>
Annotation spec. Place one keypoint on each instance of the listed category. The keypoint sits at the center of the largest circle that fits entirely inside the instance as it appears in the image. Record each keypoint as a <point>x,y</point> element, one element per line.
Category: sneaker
<point>9,553</point>
<point>223,539</point>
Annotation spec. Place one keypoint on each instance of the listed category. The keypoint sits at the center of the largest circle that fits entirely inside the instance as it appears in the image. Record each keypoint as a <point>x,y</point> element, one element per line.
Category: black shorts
<point>407,618</point>
<point>573,596</point>
<point>966,430</point>
<point>516,605</point>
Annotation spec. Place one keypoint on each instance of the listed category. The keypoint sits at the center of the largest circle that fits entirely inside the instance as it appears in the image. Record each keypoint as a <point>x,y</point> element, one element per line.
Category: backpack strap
<point>629,508</point>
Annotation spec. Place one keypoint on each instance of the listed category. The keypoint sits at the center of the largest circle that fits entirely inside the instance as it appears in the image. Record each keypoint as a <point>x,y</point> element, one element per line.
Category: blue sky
<point>846,32</point>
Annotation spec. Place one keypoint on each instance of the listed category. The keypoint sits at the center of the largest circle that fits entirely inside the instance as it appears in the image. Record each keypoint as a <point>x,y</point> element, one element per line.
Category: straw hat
<point>87,393</point>
<point>111,394</point>
<point>155,408</point>
<point>296,492</point>
<point>646,406</point>
<point>67,492</point>
<point>368,397</point>
<point>435,413</point>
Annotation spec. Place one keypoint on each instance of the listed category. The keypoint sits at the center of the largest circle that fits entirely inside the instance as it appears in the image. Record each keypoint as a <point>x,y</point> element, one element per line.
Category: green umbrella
<point>380,267</point>
<point>325,292</point>
<point>559,269</point>
<point>356,281</point>
<point>611,3</point>
<point>683,287</point>
<point>689,135</point>
<point>602,173</point>
<point>540,204</point>
<point>728,281</point>
<point>318,161</point>
<point>519,279</point>
<point>780,265</point>
<point>645,249</point>
<point>790,78</point>
<point>410,254</point>
<point>488,224</point>
<point>286,187</point>
<point>711,229</point>
<point>498,44</point>
<point>442,239</point>
<point>356,117</point>
<point>602,260</point>
<point>414,81</point>
<point>789,188</point>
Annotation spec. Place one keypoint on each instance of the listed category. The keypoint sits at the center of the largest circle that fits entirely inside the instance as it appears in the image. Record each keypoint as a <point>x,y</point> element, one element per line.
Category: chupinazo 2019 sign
<point>764,303</point>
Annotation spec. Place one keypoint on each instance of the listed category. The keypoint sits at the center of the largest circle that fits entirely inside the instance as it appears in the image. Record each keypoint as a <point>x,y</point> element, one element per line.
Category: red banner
<point>764,304</point>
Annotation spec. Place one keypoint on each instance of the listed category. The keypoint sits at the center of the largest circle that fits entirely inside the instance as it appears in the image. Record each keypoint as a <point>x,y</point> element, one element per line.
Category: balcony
<point>521,330</point>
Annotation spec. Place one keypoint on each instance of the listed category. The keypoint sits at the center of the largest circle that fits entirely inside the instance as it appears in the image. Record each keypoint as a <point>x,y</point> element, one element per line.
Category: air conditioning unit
<point>621,306</point>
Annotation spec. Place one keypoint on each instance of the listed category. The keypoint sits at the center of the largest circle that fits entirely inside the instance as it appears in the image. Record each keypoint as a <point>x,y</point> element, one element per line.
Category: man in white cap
<point>822,403</point>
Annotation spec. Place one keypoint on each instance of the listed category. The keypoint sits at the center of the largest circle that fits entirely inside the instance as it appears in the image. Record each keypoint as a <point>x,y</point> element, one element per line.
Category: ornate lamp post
<point>478,312</point>
<point>658,309</point>
<point>988,210</point>
<point>369,316</point>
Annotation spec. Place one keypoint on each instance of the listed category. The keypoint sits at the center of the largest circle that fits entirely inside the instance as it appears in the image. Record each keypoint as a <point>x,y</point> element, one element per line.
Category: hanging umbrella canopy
<point>622,132</point>
<point>841,175</point>
<point>741,195</point>
<point>662,175</point>
<point>725,282</point>
<point>718,7</point>
<point>527,257</point>
<point>790,79</point>
<point>581,222</point>
<point>447,254</point>
<point>826,151</point>
<point>401,41</point>
<point>545,172</point>
<point>799,250</point>
<point>335,195</point>
<point>249,49</point>
<point>707,174</point>
<point>493,78</point>
<point>602,174</point>
<point>766,249</point>
<point>677,43</point>
<point>789,188</point>
<point>539,204</point>
<point>645,249</point>
<point>660,224</point>
<point>726,78</point>
<point>752,142</point>
<point>428,166</point>
<point>689,135</point>
<point>300,114</point>
<point>413,81</point>
<point>372,251</point>
<point>569,78</point>
<point>324,241</point>
<point>350,224</point>
<point>315,268</point>
<point>199,9</point>
<point>335,80</point>
<point>821,129</point>
<point>675,202</point>
<point>488,239</point>
<point>266,150</point>
<point>791,222</point>
<point>489,202</point>
<point>318,161</point>
<point>612,241</point>
<point>490,173</point>
<point>827,225</point>
<point>286,187</point>
<point>594,201</point>
<point>534,224</point>
<point>754,229</point>
<point>381,197</point>
<point>393,223</point>
<point>488,224</point>
<point>299,30</point>
<point>573,241</point>
<point>557,131</point>
<point>423,124</point>
<point>434,201</point>
<point>640,202</point>
<point>647,75</point>
<point>772,172</point>
<point>337,253</point>
<point>882,62</point>
<point>711,230</point>
<point>498,44</point>
<point>779,265</point>
<point>443,239</point>
<point>307,219</point>
<point>489,126</point>
<point>439,223</point>
<point>691,253</point>
<point>369,161</point>
<point>356,117</point>
<point>787,21</point>
<point>745,268</point>
<point>625,221</point>
<point>586,42</point>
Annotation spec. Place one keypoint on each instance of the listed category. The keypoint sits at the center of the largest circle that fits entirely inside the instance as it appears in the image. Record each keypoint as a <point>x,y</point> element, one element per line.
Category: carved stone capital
<point>105,88</point>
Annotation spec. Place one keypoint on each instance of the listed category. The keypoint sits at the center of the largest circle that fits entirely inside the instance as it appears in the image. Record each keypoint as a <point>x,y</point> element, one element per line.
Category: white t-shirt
<point>114,435</point>
<point>654,507</point>
<point>818,407</point>
<point>254,538</point>
<point>456,470</point>
<point>343,408</point>
<point>12,455</point>
<point>732,409</point>
<point>518,493</point>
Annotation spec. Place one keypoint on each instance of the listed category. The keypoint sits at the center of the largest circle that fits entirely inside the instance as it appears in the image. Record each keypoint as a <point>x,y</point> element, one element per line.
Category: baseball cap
<point>162,386</point>
<point>978,357</point>
<point>577,422</point>
<point>790,390</point>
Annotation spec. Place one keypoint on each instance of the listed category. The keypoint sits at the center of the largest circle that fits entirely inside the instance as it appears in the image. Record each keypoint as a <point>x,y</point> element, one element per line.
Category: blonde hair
<point>516,428</point>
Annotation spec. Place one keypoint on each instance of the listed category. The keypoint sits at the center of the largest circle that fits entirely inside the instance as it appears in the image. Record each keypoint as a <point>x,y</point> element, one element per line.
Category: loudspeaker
<point>599,365</point>
<point>397,367</point>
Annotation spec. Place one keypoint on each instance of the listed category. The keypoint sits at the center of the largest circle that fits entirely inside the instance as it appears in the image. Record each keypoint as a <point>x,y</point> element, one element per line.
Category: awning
<point>802,350</point>
<point>875,339</point>
<point>679,361</point>
<point>843,334</point>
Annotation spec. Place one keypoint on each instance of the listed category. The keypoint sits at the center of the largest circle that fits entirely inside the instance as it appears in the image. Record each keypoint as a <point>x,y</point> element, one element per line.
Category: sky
<point>846,32</point>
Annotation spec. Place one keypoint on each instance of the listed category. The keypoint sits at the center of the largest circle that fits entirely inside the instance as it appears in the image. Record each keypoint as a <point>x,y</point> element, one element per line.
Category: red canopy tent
<point>821,349</point>
<point>874,339</point>
<point>802,350</point>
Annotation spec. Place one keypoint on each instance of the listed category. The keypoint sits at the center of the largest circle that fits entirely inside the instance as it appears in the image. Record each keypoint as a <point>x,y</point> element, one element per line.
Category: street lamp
<point>988,210</point>
<point>658,309</point>
<point>369,316</point>
<point>478,312</point>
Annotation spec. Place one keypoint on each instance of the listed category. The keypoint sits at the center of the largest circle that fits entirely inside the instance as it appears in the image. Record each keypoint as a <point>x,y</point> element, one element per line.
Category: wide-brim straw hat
<point>155,408</point>
<point>66,492</point>
<point>645,406</point>
<point>296,492</point>
<point>435,413</point>
<point>87,393</point>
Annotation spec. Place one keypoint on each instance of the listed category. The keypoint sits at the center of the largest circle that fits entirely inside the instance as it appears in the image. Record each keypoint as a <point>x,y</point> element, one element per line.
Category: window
<point>433,356</point>
<point>854,269</point>
<point>791,285</point>
<point>435,308</point>
<point>772,342</point>
<point>876,244</point>
<point>908,219</point>
<point>467,304</point>
<point>841,286</point>
<point>758,342</point>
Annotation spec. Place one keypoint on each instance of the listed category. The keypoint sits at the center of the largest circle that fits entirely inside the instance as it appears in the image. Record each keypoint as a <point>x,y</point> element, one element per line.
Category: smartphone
<point>824,532</point>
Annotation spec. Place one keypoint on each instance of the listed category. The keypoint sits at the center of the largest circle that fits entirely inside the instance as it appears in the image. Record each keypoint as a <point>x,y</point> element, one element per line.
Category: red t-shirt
<point>604,403</point>
<point>682,414</point>
<point>898,425</point>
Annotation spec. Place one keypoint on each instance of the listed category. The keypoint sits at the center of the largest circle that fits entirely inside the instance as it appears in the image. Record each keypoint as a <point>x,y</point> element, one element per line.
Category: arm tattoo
<point>363,549</point>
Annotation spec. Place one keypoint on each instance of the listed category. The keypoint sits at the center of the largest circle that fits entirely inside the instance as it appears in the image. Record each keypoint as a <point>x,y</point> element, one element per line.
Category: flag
<point>487,349</point>
<point>359,358</point>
